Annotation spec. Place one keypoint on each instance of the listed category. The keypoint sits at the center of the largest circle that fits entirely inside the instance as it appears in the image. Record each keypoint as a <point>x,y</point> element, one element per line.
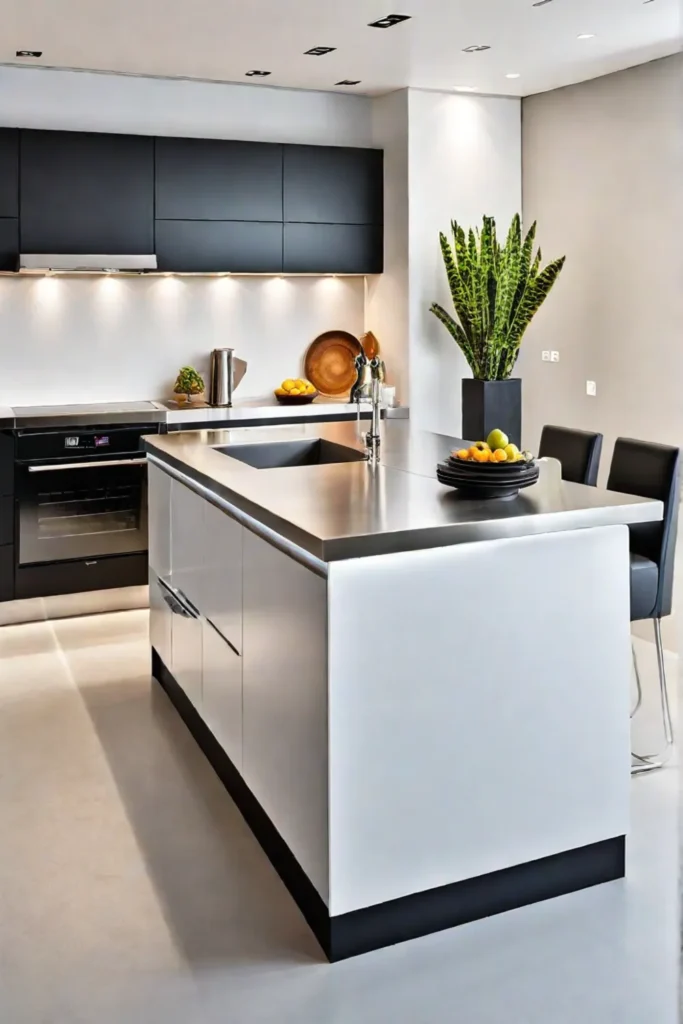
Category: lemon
<point>288,384</point>
<point>512,451</point>
<point>295,391</point>
<point>280,391</point>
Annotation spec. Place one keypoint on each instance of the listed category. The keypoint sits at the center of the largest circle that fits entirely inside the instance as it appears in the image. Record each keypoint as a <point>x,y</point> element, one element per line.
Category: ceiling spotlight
<point>586,35</point>
<point>514,74</point>
<point>390,21</point>
<point>348,81</point>
<point>465,88</point>
<point>257,74</point>
<point>319,51</point>
<point>478,48</point>
<point>29,53</point>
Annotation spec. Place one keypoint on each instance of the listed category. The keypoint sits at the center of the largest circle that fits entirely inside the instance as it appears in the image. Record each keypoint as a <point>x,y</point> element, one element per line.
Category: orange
<point>499,455</point>
<point>480,455</point>
<point>463,454</point>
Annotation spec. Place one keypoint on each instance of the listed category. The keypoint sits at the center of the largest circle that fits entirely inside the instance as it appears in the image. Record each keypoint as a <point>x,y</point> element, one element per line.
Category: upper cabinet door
<point>84,192</point>
<point>333,185</point>
<point>209,179</point>
<point>9,243</point>
<point>9,172</point>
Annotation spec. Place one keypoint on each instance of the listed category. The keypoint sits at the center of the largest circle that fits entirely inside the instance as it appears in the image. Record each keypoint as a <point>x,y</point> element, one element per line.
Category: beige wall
<point>602,173</point>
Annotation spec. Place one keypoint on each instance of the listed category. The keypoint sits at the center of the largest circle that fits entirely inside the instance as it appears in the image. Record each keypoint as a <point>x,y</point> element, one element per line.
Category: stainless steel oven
<point>81,509</point>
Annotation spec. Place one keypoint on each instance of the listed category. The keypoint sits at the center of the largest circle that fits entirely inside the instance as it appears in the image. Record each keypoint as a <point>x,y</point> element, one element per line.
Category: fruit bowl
<point>295,399</point>
<point>487,480</point>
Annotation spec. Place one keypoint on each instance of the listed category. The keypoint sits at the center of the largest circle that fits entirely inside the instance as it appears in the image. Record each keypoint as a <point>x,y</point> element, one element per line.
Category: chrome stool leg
<point>652,762</point>
<point>639,688</point>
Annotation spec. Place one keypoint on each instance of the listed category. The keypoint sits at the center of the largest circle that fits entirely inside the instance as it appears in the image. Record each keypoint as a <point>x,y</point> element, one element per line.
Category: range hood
<point>60,263</point>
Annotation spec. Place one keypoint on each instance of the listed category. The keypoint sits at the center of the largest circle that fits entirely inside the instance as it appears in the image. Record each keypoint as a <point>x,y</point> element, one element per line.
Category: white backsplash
<point>108,339</point>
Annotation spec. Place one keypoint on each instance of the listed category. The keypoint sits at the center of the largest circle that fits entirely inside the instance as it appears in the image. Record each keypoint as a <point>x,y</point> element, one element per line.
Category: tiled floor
<point>131,892</point>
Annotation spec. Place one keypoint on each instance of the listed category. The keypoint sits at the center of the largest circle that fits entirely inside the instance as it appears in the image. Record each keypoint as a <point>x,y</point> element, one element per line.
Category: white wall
<point>118,338</point>
<point>387,298</point>
<point>603,173</point>
<point>83,101</point>
<point>464,162</point>
<point>70,340</point>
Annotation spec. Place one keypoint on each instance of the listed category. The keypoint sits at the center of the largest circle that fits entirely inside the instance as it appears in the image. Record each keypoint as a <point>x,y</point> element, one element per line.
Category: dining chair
<point>577,450</point>
<point>651,471</point>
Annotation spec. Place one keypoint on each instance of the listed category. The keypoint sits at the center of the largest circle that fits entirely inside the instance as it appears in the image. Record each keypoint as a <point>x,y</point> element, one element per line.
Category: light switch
<point>545,356</point>
<point>591,388</point>
<point>554,357</point>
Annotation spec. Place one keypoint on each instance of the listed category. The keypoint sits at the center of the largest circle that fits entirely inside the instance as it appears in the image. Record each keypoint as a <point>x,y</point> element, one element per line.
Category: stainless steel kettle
<point>226,373</point>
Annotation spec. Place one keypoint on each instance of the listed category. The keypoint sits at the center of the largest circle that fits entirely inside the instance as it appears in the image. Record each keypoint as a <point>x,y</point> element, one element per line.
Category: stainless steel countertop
<point>258,410</point>
<point>343,511</point>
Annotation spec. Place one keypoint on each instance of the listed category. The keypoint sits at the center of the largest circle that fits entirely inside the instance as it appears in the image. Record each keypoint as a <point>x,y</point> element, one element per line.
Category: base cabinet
<point>160,621</point>
<point>222,692</point>
<point>186,654</point>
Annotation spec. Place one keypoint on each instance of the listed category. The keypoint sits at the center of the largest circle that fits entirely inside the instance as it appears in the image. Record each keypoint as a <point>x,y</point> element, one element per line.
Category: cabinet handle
<point>223,638</point>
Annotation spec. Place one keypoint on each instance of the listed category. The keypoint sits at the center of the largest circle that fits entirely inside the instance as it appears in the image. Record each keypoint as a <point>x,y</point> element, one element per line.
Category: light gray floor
<point>131,891</point>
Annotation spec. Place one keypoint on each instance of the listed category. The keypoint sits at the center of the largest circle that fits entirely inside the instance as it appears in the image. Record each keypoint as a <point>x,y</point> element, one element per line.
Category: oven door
<point>81,510</point>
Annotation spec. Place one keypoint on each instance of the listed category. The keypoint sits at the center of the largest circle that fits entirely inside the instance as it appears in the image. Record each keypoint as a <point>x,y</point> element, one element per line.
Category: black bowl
<point>485,479</point>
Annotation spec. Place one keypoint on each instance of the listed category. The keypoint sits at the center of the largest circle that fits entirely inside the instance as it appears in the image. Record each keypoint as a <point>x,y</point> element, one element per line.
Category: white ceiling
<point>222,39</point>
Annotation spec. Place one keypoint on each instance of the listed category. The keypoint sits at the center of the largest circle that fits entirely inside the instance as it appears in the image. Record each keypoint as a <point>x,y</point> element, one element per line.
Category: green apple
<point>497,439</point>
<point>512,452</point>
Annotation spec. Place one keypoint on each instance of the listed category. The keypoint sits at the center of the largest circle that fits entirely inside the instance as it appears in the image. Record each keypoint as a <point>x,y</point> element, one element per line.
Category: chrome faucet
<point>368,387</point>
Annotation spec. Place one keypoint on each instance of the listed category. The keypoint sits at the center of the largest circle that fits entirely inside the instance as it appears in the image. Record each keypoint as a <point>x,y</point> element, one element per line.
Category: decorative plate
<point>330,362</point>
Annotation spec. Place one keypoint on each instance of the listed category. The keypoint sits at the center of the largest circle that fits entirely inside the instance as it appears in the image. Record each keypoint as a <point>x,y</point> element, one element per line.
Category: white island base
<point>417,739</point>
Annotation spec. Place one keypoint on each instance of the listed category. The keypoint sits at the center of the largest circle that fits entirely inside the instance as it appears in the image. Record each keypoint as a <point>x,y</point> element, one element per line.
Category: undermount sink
<point>279,454</point>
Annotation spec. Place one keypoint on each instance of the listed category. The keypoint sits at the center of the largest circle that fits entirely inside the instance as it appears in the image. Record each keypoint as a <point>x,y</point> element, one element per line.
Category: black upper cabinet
<point>84,192</point>
<point>209,179</point>
<point>9,243</point>
<point>202,246</point>
<point>333,249</point>
<point>9,172</point>
<point>333,185</point>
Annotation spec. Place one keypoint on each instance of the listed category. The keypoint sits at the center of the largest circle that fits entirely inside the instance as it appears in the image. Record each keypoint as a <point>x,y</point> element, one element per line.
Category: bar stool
<point>651,471</point>
<point>577,450</point>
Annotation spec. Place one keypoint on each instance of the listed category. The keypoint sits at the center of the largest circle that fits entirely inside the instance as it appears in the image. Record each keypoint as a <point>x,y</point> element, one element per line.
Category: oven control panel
<point>71,444</point>
<point>87,442</point>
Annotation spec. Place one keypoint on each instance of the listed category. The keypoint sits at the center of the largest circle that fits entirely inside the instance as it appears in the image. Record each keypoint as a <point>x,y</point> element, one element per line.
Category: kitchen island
<point>420,703</point>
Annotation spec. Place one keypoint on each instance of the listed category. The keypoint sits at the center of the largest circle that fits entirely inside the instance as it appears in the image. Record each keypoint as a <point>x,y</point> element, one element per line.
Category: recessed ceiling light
<point>390,21</point>
<point>476,48</point>
<point>586,35</point>
<point>257,74</point>
<point>29,53</point>
<point>465,88</point>
<point>513,74</point>
<point>319,51</point>
<point>348,81</point>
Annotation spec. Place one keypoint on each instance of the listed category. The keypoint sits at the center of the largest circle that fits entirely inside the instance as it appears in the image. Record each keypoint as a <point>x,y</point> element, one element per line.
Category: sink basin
<point>278,454</point>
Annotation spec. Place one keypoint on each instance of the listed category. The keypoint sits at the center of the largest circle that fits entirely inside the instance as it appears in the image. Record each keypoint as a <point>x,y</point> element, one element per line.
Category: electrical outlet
<point>554,357</point>
<point>545,356</point>
<point>591,388</point>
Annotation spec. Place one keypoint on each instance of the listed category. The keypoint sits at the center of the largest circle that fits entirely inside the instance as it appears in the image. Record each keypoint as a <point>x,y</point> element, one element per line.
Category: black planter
<point>489,405</point>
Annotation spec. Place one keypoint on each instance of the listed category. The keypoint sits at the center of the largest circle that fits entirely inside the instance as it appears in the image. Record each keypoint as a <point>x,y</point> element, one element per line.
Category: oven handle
<point>86,465</point>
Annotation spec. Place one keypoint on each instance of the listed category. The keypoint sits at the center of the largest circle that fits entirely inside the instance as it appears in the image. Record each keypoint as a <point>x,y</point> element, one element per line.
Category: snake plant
<point>496,292</point>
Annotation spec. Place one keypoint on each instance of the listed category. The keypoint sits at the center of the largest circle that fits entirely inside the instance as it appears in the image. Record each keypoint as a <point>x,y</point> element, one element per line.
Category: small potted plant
<point>496,290</point>
<point>188,383</point>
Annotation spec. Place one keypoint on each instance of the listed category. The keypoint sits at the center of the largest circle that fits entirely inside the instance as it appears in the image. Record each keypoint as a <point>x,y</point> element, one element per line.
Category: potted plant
<point>496,292</point>
<point>188,383</point>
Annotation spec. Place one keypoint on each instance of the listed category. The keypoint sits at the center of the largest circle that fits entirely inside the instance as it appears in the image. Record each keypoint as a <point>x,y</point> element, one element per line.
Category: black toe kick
<point>419,913</point>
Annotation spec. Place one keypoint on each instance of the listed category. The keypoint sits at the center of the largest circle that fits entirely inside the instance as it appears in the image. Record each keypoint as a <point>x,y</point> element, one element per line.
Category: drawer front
<point>160,622</point>
<point>222,692</point>
<point>221,596</point>
<point>186,656</point>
